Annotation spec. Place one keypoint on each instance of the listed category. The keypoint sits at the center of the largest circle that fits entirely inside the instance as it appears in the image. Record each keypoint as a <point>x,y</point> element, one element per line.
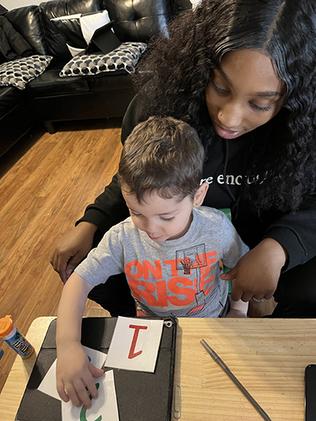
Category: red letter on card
<point>132,353</point>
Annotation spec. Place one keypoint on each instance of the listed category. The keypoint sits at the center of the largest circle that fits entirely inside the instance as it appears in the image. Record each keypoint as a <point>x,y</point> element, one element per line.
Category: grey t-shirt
<point>176,277</point>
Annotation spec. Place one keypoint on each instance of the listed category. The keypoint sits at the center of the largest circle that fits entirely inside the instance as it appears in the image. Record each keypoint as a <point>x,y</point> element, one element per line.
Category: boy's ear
<point>200,194</point>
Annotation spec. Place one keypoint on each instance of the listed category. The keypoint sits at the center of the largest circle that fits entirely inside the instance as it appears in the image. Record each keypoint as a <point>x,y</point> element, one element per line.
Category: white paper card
<point>195,3</point>
<point>74,51</point>
<point>135,344</point>
<point>104,407</point>
<point>67,17</point>
<point>90,23</point>
<point>48,384</point>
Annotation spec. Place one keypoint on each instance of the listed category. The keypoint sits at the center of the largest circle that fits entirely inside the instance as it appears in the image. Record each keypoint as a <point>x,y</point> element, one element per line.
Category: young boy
<point>170,248</point>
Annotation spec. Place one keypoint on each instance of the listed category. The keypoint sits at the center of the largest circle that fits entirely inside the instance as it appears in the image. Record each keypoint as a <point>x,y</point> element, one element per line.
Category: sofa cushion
<point>27,21</point>
<point>21,71</point>
<point>139,20</point>
<point>180,6</point>
<point>12,44</point>
<point>110,83</point>
<point>125,57</point>
<point>49,83</point>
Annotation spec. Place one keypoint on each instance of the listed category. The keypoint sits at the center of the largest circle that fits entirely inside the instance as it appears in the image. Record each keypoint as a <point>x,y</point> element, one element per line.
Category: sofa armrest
<point>179,6</point>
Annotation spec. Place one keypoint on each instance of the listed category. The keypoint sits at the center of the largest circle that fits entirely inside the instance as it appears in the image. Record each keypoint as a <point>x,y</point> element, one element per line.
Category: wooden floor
<point>41,196</point>
<point>45,185</point>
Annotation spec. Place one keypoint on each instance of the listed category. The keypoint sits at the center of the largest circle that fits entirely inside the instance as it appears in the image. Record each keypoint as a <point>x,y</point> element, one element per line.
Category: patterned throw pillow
<point>125,57</point>
<point>21,71</point>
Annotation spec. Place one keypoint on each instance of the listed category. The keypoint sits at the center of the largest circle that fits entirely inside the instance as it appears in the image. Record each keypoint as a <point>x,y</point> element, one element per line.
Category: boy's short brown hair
<point>162,154</point>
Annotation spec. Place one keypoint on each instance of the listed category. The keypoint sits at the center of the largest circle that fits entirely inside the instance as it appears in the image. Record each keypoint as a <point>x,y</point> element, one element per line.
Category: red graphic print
<point>186,263</point>
<point>191,277</point>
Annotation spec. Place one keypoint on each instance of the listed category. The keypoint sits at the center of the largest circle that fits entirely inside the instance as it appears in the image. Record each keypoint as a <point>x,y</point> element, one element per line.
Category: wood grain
<point>268,356</point>
<point>42,195</point>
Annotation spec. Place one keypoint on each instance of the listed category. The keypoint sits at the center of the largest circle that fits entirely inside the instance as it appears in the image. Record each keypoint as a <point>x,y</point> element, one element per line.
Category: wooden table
<point>267,355</point>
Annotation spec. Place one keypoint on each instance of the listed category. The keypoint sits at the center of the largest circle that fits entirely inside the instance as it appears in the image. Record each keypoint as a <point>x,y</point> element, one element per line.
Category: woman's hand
<point>72,248</point>
<point>75,375</point>
<point>257,273</point>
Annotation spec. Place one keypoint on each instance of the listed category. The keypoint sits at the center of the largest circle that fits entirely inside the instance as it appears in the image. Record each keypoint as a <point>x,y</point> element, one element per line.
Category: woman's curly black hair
<point>181,66</point>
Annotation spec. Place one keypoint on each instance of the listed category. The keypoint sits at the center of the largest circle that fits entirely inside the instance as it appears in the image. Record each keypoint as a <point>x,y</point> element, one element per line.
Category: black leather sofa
<point>49,98</point>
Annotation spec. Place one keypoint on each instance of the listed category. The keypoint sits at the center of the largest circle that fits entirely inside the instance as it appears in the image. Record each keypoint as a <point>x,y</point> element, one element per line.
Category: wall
<point>13,4</point>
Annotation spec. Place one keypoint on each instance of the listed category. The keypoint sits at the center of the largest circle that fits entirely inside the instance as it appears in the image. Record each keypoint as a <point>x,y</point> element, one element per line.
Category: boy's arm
<point>75,375</point>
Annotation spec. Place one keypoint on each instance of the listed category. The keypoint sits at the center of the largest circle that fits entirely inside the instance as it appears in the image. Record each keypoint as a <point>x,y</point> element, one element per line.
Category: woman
<point>242,73</point>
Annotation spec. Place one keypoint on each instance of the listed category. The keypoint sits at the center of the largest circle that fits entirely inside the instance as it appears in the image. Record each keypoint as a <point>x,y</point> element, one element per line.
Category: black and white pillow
<point>125,57</point>
<point>20,72</point>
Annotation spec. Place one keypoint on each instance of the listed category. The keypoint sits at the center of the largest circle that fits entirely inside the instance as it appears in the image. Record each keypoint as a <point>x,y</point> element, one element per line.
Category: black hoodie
<point>225,172</point>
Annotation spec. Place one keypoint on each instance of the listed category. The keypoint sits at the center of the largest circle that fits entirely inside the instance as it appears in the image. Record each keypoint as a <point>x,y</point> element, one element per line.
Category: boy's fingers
<point>82,394</point>
<point>72,394</point>
<point>96,372</point>
<point>92,389</point>
<point>61,391</point>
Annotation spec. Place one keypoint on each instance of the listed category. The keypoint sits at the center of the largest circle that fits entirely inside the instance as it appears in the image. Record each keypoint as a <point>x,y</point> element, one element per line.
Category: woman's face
<point>244,92</point>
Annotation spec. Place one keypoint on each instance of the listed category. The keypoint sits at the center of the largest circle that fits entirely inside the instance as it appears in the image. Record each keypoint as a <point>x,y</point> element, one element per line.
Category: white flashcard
<point>104,407</point>
<point>135,344</point>
<point>67,17</point>
<point>195,3</point>
<point>75,51</point>
<point>48,384</point>
<point>91,22</point>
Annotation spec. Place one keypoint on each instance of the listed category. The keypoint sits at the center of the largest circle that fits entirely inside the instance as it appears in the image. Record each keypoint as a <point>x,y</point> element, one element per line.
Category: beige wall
<point>13,4</point>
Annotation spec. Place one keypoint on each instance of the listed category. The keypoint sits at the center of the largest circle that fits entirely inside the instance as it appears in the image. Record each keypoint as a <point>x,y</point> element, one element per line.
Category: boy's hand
<point>76,375</point>
<point>257,273</point>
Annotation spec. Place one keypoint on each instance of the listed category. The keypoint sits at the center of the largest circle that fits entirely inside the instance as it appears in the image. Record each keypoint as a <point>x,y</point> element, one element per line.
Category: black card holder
<point>140,396</point>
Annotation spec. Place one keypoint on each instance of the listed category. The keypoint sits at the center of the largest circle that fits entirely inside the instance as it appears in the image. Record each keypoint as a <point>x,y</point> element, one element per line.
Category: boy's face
<point>161,219</point>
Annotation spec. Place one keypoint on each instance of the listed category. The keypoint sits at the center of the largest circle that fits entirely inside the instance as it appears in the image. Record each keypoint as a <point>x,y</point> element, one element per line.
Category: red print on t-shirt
<point>191,278</point>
